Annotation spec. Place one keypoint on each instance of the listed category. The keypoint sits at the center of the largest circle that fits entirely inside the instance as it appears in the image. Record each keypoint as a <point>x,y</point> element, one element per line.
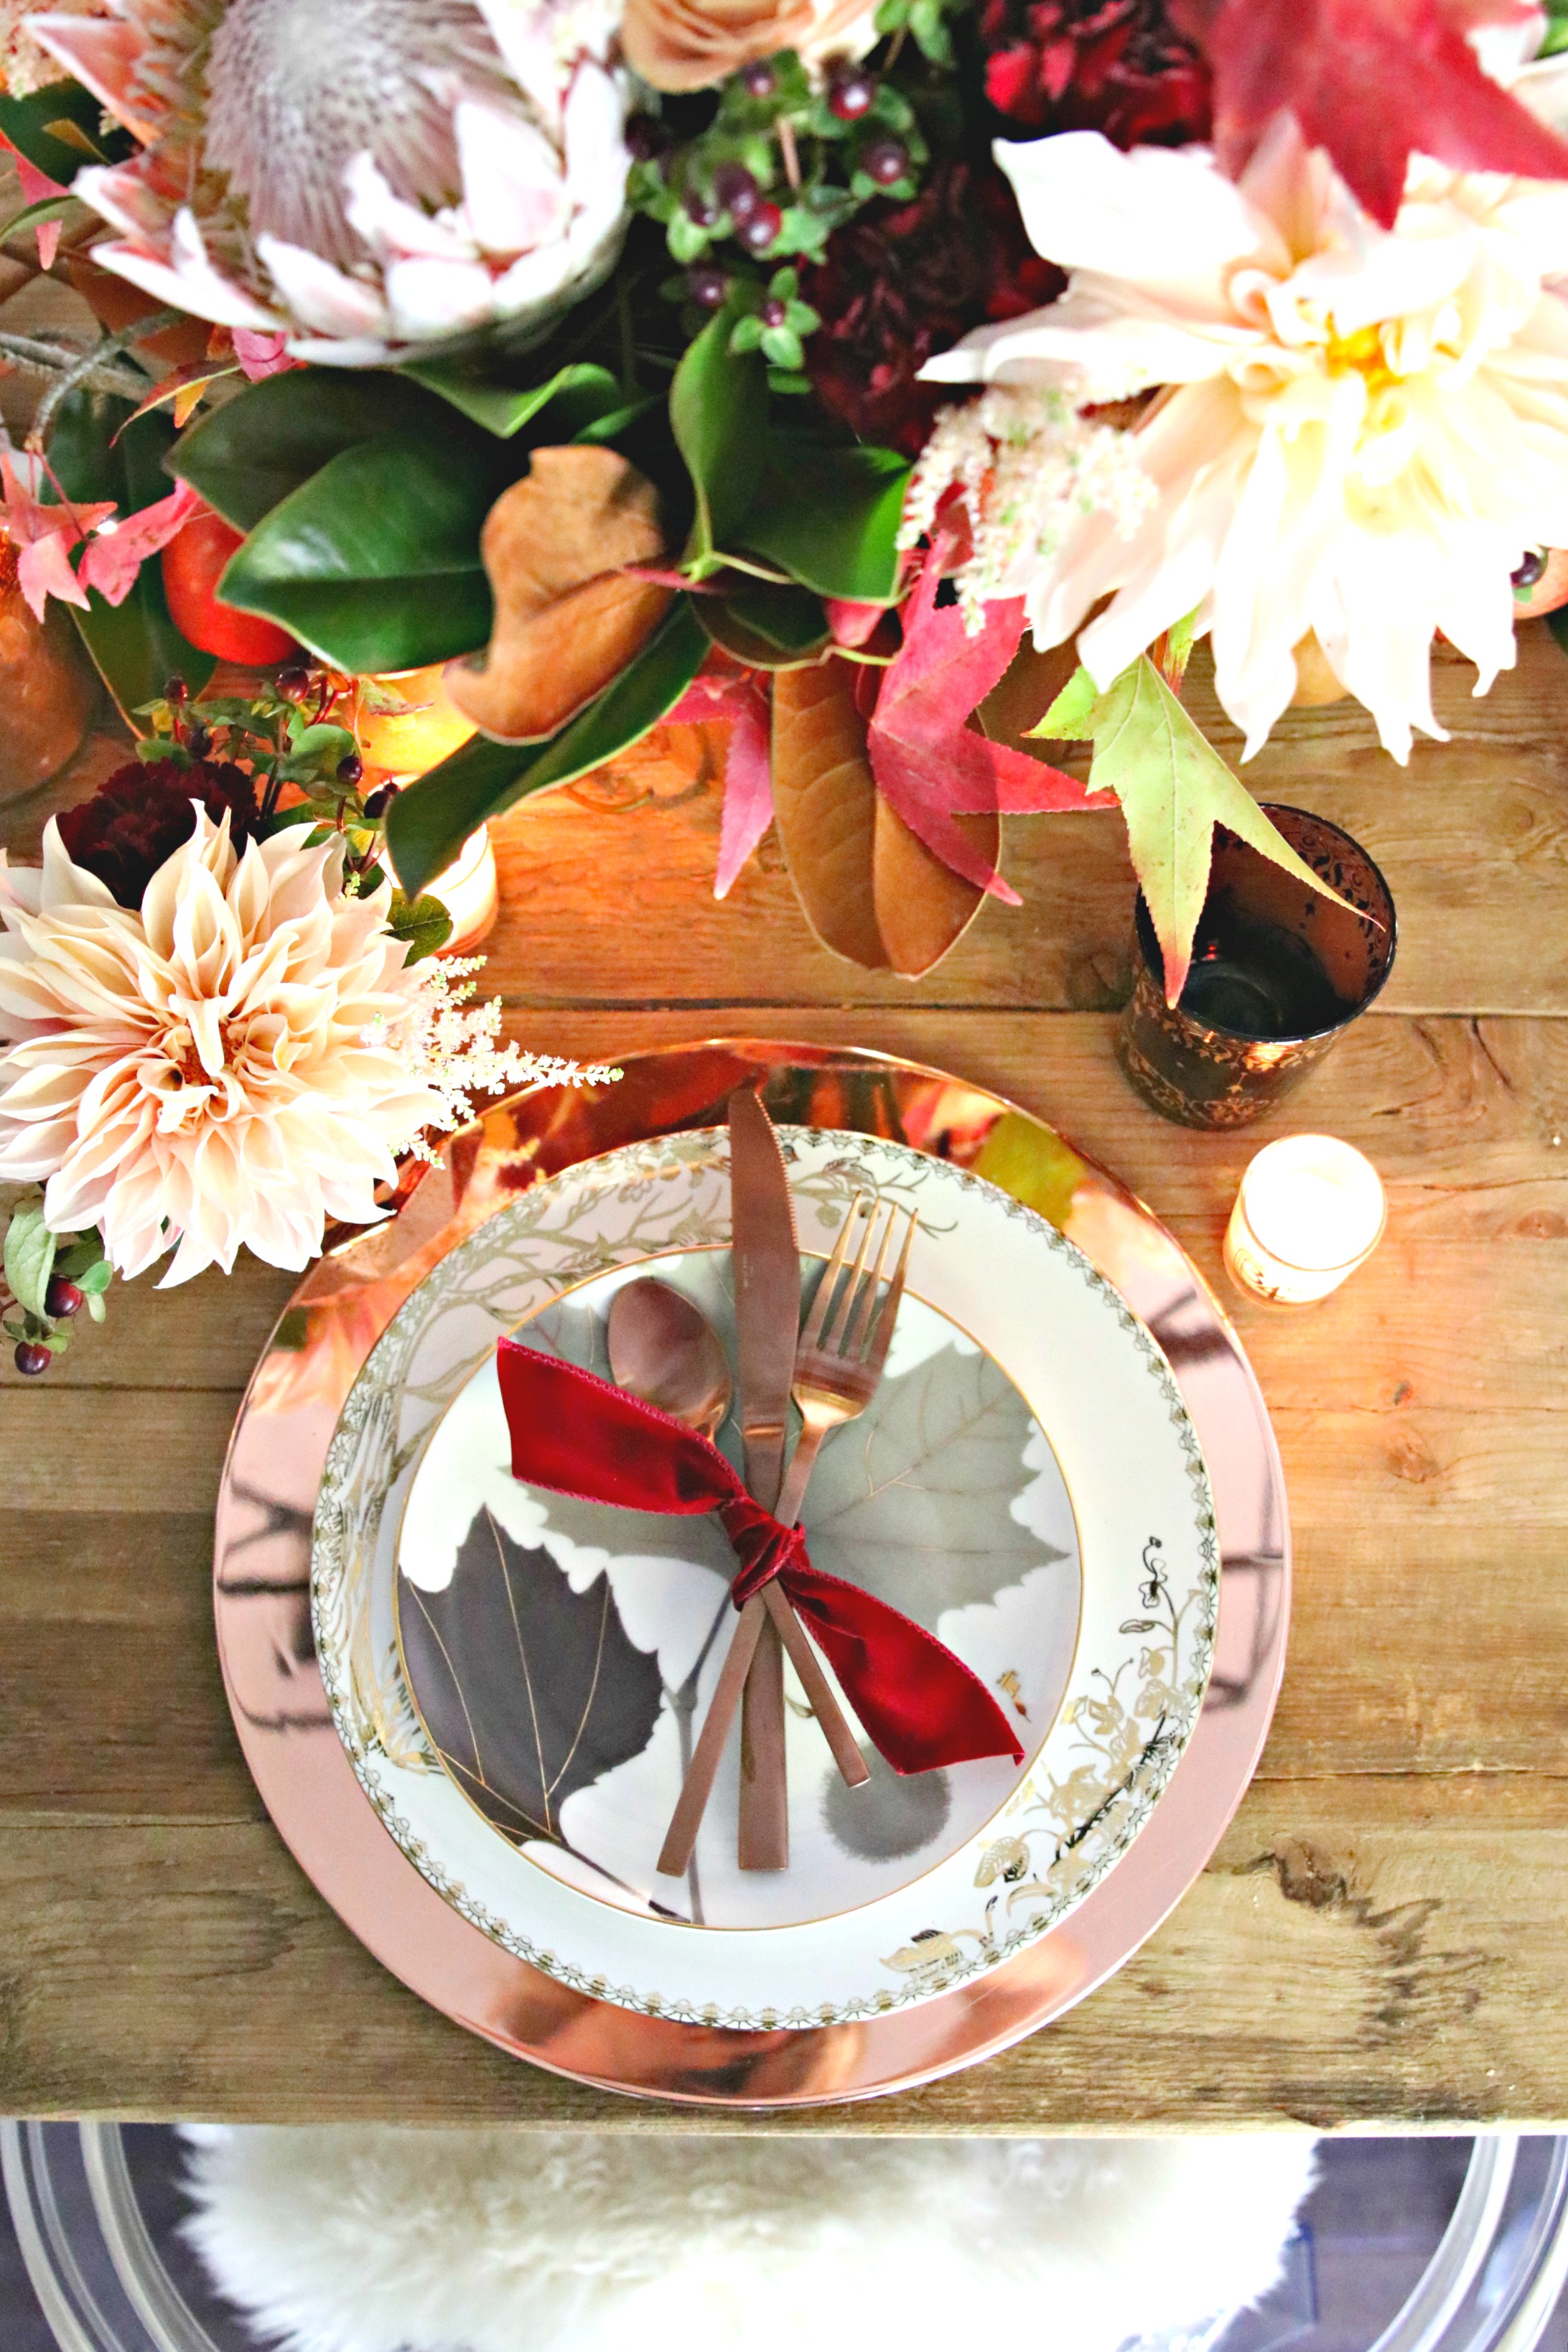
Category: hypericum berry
<point>736,190</point>
<point>175,691</point>
<point>885,160</point>
<point>700,208</point>
<point>647,136</point>
<point>62,1299</point>
<point>351,768</point>
<point>774,312</point>
<point>758,230</point>
<point>294,682</point>
<point>379,801</point>
<point>1532,569</point>
<point>758,79</point>
<point>707,285</point>
<point>31,1358</point>
<point>851,92</point>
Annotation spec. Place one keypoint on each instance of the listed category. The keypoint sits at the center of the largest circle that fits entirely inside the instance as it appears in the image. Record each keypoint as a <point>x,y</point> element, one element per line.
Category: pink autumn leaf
<point>261,355</point>
<point>928,763</point>
<point>24,518</point>
<point>113,558</point>
<point>44,570</point>
<point>37,188</point>
<point>851,623</point>
<point>741,703</point>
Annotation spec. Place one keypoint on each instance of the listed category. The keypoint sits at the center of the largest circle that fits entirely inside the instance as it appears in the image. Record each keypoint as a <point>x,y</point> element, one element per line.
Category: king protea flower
<point>218,1067</point>
<point>1361,434</point>
<point>366,177</point>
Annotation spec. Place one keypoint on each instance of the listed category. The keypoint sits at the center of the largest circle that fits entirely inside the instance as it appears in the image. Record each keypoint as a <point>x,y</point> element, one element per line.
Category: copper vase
<point>47,690</point>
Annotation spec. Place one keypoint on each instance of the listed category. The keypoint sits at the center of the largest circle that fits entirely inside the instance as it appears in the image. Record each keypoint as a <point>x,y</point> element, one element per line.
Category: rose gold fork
<point>838,1366</point>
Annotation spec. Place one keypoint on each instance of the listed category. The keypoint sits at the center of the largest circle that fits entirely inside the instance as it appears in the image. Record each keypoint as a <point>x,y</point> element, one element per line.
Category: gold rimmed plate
<point>290,1430</point>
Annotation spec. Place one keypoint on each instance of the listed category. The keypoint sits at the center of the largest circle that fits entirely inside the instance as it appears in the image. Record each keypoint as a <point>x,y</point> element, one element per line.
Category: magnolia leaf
<point>830,518</point>
<point>1033,1165</point>
<point>583,394</point>
<point>428,824</point>
<point>924,908</point>
<point>825,806</point>
<point>375,562</point>
<point>29,1257</point>
<point>1174,789</point>
<point>918,1508</point>
<point>568,616</point>
<point>423,923</point>
<point>1372,81</point>
<point>718,414</point>
<point>249,455</point>
<point>530,1691</point>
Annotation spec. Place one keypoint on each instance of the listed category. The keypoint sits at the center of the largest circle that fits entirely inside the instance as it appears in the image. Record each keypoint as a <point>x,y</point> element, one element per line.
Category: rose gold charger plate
<point>261,1580</point>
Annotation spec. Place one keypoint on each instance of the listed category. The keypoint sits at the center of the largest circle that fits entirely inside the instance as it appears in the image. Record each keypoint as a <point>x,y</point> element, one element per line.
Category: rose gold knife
<point>766,1260</point>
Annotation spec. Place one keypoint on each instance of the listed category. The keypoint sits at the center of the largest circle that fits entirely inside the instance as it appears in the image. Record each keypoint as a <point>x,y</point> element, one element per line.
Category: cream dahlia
<point>1360,432</point>
<point>365,177</point>
<point>217,1067</point>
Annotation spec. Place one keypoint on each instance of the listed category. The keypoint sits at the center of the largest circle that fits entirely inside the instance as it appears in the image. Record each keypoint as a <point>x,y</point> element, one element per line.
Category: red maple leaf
<point>1372,81</point>
<point>929,764</point>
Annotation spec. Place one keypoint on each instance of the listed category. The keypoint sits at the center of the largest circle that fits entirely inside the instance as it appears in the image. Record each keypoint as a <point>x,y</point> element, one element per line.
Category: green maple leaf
<point>1173,788</point>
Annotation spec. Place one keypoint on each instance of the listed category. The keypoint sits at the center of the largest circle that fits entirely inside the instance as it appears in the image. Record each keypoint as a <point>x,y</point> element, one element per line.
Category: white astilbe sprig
<point>455,1048</point>
<point>1028,466</point>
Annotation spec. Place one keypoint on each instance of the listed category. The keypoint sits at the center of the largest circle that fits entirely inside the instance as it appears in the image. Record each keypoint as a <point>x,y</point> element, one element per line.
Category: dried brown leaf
<point>923,906</point>
<point>825,807</point>
<point>568,616</point>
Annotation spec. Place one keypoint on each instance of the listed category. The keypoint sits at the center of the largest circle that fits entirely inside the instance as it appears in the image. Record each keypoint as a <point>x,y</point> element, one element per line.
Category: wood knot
<point>1542,1225</point>
<point>1307,1873</point>
<point>1410,1457</point>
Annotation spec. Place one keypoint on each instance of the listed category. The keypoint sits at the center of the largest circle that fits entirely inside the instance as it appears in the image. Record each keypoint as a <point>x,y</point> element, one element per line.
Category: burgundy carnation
<point>901,281</point>
<point>1115,66</point>
<point>141,814</point>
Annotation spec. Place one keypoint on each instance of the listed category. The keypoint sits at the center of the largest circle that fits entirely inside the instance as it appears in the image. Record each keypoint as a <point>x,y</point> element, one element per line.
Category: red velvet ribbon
<point>578,1435</point>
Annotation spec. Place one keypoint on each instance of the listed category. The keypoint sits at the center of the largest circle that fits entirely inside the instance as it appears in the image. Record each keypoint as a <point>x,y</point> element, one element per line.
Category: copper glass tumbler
<point>1278,973</point>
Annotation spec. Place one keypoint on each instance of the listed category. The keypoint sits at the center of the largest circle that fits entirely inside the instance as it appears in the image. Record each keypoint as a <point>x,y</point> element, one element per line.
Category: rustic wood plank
<point>1361,1952</point>
<point>606,905</point>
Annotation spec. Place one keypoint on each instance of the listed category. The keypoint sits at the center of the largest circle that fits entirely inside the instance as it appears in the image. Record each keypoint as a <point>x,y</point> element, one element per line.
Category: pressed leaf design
<point>916,1506</point>
<point>530,1691</point>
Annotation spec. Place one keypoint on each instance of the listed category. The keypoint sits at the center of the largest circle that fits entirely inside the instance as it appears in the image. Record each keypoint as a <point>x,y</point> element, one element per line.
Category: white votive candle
<point>1309,1211</point>
<point>467,891</point>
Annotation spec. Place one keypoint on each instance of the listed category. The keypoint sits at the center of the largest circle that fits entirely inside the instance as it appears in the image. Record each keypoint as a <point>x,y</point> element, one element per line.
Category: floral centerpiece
<point>900,387</point>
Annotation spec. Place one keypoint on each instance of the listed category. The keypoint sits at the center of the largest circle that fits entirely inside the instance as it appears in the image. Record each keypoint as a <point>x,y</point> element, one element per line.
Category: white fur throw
<point>373,2240</point>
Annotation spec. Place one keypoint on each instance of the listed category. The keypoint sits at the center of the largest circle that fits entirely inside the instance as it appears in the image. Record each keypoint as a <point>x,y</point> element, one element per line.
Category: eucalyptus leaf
<point>428,824</point>
<point>29,1257</point>
<point>718,413</point>
<point>830,518</point>
<point>582,394</point>
<point>375,562</point>
<point>98,453</point>
<point>265,443</point>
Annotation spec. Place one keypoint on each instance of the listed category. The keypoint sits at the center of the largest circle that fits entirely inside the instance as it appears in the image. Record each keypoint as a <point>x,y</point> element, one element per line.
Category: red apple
<point>194,562</point>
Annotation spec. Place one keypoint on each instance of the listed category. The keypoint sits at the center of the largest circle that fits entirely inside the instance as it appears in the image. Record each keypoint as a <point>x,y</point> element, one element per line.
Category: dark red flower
<point>141,814</point>
<point>902,281</point>
<point>1115,66</point>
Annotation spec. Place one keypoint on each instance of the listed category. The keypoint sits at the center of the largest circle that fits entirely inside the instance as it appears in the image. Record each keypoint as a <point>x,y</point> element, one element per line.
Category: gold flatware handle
<point>764,1839</point>
<point>680,1838</point>
<point>854,1770</point>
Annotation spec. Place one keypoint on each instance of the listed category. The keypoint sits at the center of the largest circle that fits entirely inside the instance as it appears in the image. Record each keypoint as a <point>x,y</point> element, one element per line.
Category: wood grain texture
<point>1377,1943</point>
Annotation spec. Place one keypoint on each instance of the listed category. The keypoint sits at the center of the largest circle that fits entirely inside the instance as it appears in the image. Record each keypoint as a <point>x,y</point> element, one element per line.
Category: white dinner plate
<point>1026,1484</point>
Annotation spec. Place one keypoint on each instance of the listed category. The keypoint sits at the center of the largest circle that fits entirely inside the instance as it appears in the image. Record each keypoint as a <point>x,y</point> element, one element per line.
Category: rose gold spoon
<point>665,1351</point>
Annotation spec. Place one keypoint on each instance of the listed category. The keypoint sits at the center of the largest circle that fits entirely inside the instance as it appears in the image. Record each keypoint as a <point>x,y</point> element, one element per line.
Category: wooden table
<point>1379,1942</point>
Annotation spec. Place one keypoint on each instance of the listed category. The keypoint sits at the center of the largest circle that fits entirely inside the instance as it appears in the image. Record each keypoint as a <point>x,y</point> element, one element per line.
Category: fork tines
<point>857,1333</point>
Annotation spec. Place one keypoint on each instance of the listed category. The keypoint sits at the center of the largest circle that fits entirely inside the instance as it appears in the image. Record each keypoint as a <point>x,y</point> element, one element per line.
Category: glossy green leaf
<point>423,924</point>
<point>427,824</point>
<point>135,645</point>
<point>830,518</point>
<point>582,394</point>
<point>375,562</point>
<point>719,414</point>
<point>265,442</point>
<point>47,208</point>
<point>771,628</point>
<point>26,122</point>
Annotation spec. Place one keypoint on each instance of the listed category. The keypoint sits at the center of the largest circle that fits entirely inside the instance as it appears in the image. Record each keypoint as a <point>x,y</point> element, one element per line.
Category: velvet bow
<point>577,1435</point>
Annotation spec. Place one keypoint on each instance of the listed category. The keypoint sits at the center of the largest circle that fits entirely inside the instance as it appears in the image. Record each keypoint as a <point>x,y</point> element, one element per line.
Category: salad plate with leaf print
<point>517,1675</point>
